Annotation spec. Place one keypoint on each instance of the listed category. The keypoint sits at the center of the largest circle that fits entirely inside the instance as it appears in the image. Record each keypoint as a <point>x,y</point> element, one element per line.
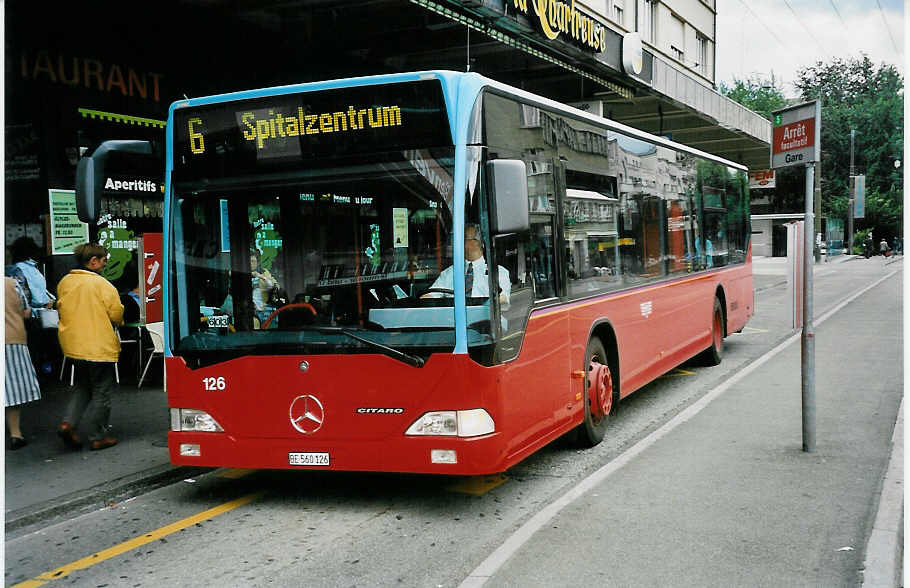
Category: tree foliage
<point>757,94</point>
<point>869,99</point>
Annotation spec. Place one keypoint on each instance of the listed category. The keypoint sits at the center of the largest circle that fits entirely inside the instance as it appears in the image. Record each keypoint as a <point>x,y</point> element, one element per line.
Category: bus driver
<point>475,265</point>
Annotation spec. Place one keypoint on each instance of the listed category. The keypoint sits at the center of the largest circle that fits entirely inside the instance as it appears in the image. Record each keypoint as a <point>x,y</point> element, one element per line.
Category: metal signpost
<point>797,141</point>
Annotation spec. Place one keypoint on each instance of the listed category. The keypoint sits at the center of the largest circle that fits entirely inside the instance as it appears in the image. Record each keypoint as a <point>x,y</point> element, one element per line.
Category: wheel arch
<point>720,295</point>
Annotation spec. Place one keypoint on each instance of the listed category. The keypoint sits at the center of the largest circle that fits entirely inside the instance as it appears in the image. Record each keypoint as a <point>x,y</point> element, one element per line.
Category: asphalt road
<point>263,528</point>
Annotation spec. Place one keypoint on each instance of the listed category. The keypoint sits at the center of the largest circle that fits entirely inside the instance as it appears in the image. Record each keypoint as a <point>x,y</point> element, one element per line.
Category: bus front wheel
<point>598,395</point>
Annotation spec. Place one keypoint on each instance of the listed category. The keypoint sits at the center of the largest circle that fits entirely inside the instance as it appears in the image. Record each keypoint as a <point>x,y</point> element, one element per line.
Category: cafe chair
<point>73,371</point>
<point>134,334</point>
<point>73,365</point>
<point>156,332</point>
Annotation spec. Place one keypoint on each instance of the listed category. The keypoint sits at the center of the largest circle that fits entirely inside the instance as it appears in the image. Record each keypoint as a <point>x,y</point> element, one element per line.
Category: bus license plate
<point>308,459</point>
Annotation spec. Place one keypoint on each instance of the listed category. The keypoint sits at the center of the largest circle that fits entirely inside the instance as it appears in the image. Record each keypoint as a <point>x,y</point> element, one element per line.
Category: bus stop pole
<point>808,336</point>
<point>850,201</point>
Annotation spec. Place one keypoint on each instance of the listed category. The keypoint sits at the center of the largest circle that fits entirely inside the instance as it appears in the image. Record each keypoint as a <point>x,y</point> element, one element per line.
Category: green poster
<point>120,243</point>
<point>66,230</point>
<point>267,241</point>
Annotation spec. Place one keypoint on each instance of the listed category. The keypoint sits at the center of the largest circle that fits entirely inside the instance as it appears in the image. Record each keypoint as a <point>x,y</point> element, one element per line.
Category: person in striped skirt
<point>21,380</point>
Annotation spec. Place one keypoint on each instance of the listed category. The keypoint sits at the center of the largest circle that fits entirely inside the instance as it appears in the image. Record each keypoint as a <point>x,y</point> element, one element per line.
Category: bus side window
<point>540,253</point>
<point>510,254</point>
<point>715,217</point>
<point>679,242</point>
<point>540,257</point>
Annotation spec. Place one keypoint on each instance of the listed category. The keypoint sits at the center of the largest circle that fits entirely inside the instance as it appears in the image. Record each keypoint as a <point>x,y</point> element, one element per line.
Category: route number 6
<point>213,383</point>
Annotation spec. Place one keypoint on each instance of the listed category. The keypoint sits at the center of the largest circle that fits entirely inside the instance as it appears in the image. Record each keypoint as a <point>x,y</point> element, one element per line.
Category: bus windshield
<point>299,267</point>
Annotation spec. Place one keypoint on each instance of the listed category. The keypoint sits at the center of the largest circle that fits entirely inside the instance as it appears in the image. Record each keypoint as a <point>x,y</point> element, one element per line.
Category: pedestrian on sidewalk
<point>90,309</point>
<point>883,248</point>
<point>42,347</point>
<point>21,381</point>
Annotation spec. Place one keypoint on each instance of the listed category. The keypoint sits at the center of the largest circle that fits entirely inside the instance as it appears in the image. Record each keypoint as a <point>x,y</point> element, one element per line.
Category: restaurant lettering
<point>562,18</point>
<point>89,73</point>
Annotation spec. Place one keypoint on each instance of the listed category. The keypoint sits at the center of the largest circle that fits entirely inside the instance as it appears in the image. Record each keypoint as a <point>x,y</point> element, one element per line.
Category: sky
<point>758,37</point>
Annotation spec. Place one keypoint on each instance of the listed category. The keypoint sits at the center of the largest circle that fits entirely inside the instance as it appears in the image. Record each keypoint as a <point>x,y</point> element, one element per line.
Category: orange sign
<point>761,178</point>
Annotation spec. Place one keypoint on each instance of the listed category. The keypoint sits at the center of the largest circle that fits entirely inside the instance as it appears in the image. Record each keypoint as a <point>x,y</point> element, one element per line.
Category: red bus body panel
<point>533,399</point>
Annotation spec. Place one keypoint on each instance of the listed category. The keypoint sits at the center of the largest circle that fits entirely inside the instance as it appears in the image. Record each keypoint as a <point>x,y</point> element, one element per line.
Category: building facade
<point>77,76</point>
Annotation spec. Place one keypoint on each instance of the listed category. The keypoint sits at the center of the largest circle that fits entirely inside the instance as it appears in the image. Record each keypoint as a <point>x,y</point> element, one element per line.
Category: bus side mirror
<point>508,182</point>
<point>90,175</point>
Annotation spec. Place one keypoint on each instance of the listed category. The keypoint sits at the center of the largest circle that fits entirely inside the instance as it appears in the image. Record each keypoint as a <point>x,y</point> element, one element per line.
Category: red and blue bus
<point>430,272</point>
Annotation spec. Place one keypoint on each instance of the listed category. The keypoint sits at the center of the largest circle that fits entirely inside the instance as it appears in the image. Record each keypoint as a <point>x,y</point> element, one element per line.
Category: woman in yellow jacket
<point>89,308</point>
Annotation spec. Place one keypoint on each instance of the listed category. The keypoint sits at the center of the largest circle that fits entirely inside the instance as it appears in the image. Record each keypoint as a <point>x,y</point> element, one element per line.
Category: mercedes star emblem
<point>307,414</point>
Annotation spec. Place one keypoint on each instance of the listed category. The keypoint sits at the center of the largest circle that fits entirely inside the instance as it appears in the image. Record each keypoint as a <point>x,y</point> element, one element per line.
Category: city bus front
<point>310,320</point>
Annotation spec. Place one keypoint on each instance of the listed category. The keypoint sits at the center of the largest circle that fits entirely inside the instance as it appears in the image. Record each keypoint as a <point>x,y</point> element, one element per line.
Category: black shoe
<point>17,443</point>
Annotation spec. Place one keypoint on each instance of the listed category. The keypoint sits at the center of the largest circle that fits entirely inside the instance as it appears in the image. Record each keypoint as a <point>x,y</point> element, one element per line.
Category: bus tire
<point>598,398</point>
<point>715,352</point>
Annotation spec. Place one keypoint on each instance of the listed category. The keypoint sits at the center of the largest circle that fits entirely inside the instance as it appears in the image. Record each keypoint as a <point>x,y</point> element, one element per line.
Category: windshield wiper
<point>409,359</point>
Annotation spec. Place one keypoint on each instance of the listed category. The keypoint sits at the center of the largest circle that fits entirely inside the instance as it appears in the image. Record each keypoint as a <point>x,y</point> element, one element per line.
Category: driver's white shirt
<point>481,287</point>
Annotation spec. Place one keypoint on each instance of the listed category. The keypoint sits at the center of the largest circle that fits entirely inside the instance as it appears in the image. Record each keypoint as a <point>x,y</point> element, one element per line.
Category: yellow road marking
<point>478,485</point>
<point>234,473</point>
<point>87,562</point>
<point>754,330</point>
<point>678,372</point>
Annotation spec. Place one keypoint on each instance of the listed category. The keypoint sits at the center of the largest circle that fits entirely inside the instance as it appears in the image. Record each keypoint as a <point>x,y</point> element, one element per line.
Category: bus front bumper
<point>407,454</point>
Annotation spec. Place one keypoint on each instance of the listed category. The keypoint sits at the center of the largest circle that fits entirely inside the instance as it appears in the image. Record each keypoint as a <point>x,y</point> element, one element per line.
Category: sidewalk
<point>770,272</point>
<point>728,498</point>
<point>45,479</point>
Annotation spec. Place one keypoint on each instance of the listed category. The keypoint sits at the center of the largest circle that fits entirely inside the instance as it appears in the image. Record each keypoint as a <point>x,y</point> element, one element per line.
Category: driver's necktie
<point>469,280</point>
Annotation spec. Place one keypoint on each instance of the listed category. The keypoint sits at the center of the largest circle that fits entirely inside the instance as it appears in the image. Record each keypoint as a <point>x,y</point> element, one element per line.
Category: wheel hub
<point>600,390</point>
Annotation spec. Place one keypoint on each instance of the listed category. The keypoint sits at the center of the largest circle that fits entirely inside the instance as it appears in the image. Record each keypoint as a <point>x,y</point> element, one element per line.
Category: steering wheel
<point>275,312</point>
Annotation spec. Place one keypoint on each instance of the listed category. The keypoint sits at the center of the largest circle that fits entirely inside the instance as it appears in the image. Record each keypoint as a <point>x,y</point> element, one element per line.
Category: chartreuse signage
<point>557,18</point>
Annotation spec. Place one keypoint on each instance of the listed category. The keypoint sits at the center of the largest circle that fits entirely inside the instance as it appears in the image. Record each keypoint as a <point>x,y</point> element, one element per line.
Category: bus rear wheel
<point>598,395</point>
<point>715,353</point>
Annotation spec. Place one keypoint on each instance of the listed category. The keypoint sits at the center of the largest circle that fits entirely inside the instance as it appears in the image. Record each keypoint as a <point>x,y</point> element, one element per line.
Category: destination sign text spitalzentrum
<point>262,126</point>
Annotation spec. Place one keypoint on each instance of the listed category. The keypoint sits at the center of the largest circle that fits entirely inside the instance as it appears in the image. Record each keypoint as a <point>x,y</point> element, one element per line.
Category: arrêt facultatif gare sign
<point>796,138</point>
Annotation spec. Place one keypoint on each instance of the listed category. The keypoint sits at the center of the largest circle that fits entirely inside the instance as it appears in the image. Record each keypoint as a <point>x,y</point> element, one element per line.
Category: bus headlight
<point>193,420</point>
<point>463,423</point>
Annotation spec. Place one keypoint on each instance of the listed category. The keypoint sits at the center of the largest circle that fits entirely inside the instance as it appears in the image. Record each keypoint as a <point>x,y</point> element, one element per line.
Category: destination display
<point>281,131</point>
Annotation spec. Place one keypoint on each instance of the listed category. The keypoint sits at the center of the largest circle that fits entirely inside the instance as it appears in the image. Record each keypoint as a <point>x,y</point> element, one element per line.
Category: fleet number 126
<point>212,383</point>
